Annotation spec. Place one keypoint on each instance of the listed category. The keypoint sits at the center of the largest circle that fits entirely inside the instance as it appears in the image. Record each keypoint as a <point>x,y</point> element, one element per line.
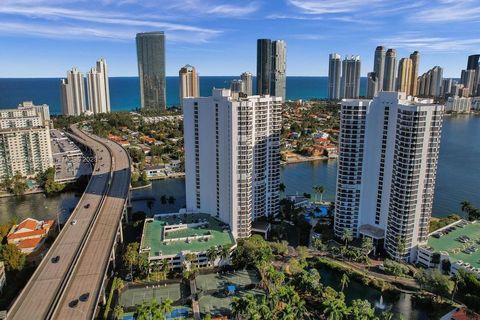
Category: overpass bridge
<point>72,287</point>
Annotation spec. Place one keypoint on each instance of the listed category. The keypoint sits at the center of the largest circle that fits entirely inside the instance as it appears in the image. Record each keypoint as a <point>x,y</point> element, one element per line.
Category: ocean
<point>124,91</point>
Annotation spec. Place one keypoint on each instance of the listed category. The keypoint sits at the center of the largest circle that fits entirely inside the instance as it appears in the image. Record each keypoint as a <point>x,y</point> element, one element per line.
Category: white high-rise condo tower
<point>390,70</point>
<point>98,88</point>
<point>232,157</point>
<point>379,68</point>
<point>388,154</point>
<point>72,92</point>
<point>334,75</point>
<point>350,85</point>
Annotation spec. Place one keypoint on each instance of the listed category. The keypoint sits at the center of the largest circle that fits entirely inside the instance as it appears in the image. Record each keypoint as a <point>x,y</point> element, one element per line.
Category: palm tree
<point>401,248</point>
<point>282,187</point>
<point>387,315</point>
<point>466,206</point>
<point>212,255</point>
<point>166,305</point>
<point>118,312</point>
<point>344,282</point>
<point>347,236</point>
<point>321,190</point>
<point>224,253</point>
<point>367,245</point>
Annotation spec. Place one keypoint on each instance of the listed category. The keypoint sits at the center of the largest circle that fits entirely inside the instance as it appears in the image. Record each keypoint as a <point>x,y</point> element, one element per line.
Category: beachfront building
<point>98,88</point>
<point>271,67</point>
<point>388,154</point>
<point>151,69</point>
<point>232,157</point>
<point>189,82</point>
<point>185,238</point>
<point>457,243</point>
<point>72,93</point>
<point>25,140</point>
<point>247,83</point>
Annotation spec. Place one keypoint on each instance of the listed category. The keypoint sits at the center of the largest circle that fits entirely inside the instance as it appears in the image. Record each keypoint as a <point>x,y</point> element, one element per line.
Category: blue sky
<point>44,38</point>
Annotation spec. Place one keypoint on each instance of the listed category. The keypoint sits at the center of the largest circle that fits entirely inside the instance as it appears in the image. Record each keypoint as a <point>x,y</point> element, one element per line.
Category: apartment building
<point>232,157</point>
<point>25,140</point>
<point>388,154</point>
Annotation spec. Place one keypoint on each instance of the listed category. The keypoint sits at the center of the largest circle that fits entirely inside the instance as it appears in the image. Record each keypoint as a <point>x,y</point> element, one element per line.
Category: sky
<point>45,38</point>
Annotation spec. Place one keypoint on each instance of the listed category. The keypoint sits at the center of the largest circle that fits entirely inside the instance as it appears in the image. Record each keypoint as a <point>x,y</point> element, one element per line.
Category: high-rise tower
<point>189,82</point>
<point>232,157</point>
<point>334,76</point>
<point>98,88</point>
<point>404,81</point>
<point>415,57</point>
<point>390,69</point>
<point>379,67</point>
<point>388,155</point>
<point>350,84</point>
<point>151,69</point>
<point>247,83</point>
<point>271,67</point>
<point>72,93</point>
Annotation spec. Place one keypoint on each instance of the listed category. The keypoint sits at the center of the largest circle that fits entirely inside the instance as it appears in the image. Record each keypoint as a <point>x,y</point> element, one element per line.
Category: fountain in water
<point>379,304</point>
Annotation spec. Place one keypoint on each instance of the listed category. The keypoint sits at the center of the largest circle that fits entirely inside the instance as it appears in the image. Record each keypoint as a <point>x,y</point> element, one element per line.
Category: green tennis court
<point>134,296</point>
<point>216,282</point>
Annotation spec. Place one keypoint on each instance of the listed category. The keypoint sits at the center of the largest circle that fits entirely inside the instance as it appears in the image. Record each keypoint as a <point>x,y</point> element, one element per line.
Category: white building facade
<point>388,154</point>
<point>98,88</point>
<point>72,93</point>
<point>25,140</point>
<point>458,104</point>
<point>232,157</point>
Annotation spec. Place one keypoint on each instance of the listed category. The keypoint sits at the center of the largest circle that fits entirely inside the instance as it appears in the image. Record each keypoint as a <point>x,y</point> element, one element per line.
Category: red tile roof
<point>29,243</point>
<point>462,314</point>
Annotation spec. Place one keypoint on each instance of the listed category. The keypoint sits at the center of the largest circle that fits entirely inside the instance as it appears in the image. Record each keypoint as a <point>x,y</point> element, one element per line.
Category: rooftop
<point>455,243</point>
<point>171,234</point>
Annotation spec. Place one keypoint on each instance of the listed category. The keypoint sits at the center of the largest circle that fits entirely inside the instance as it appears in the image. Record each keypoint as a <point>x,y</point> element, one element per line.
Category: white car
<point>74,222</point>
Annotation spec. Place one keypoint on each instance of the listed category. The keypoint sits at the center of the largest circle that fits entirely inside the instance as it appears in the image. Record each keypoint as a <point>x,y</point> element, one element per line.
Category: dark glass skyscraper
<point>271,67</point>
<point>151,69</point>
<point>264,66</point>
<point>473,62</point>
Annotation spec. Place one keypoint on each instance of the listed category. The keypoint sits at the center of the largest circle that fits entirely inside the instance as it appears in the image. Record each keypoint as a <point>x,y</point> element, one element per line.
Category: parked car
<point>55,259</point>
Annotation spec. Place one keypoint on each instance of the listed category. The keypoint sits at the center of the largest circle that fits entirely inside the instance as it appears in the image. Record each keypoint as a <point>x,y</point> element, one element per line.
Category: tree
<point>401,248</point>
<point>334,305</point>
<point>13,257</point>
<point>282,187</point>
<point>435,282</point>
<point>344,282</point>
<point>303,253</point>
<point>19,184</point>
<point>318,244</point>
<point>171,200</point>
<point>4,229</point>
<point>347,236</point>
<point>212,255</point>
<point>118,312</point>
<point>130,256</point>
<point>362,310</point>
<point>367,245</point>
<point>224,254</point>
<point>319,190</point>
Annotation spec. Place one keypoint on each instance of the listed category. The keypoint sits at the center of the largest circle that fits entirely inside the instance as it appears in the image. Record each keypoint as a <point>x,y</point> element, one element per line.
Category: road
<point>84,247</point>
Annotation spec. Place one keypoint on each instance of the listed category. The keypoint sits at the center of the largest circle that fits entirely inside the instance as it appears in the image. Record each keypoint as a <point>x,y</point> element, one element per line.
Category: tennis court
<point>216,281</point>
<point>134,296</point>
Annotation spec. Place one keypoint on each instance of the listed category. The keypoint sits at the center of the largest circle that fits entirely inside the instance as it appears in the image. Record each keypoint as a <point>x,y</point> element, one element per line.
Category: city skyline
<point>53,32</point>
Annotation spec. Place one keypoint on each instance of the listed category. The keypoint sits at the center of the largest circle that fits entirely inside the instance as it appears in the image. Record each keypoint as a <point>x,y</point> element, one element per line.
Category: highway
<point>84,248</point>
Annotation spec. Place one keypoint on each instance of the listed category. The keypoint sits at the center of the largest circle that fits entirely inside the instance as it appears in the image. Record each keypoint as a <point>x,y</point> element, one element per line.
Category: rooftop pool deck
<point>450,243</point>
<point>206,232</point>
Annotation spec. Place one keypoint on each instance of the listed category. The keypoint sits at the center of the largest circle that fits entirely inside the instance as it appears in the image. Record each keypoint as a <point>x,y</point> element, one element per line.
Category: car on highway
<point>74,222</point>
<point>84,297</point>
<point>73,303</point>
<point>87,206</point>
<point>55,259</point>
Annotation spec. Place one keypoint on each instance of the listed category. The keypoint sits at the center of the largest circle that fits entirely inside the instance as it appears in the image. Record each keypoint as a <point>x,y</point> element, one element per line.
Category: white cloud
<point>331,6</point>
<point>417,41</point>
<point>233,11</point>
<point>449,11</point>
<point>97,23</point>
